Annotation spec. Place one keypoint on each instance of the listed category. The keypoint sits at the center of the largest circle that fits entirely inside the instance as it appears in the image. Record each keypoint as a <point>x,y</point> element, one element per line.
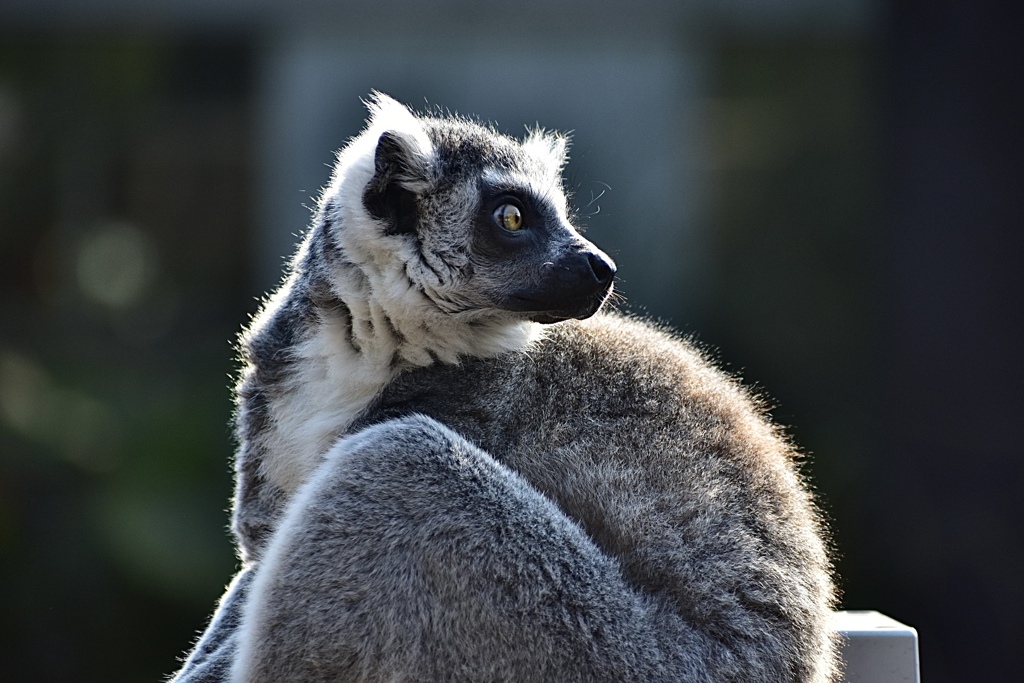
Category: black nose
<point>602,267</point>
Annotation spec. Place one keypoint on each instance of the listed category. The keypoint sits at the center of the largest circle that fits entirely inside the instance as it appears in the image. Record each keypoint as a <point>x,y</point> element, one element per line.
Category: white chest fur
<point>334,380</point>
<point>331,384</point>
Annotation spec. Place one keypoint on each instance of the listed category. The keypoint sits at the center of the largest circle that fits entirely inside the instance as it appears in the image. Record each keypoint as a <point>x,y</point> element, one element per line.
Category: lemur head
<point>447,216</point>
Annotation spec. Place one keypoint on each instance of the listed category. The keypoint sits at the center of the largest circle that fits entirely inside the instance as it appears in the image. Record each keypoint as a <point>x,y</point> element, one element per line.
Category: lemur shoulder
<point>454,467</point>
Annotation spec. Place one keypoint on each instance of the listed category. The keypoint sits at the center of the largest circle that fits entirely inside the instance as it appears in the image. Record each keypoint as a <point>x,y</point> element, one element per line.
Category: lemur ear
<point>398,174</point>
<point>398,156</point>
<point>549,147</point>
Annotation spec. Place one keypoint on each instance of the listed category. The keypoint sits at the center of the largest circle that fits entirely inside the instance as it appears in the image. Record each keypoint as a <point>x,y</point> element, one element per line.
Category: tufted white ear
<point>548,147</point>
<point>389,115</point>
<point>393,151</point>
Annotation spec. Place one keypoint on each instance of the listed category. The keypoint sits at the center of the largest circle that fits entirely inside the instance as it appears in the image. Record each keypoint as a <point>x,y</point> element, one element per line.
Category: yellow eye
<point>509,217</point>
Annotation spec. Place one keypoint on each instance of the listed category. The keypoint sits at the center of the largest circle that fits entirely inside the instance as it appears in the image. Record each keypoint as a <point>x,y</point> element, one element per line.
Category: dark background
<point>863,231</point>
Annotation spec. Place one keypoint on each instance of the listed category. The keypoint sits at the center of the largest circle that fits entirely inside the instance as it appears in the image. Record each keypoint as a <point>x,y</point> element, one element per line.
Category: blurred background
<point>827,193</point>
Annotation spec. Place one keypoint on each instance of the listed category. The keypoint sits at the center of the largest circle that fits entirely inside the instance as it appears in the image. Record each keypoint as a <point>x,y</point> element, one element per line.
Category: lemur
<point>453,467</point>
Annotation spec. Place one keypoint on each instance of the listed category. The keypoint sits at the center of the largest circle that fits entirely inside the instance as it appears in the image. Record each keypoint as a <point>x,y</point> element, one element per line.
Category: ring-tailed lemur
<point>436,483</point>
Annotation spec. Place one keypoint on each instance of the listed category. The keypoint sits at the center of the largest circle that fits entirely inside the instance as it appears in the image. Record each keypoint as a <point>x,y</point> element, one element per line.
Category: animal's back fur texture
<point>670,469</point>
<point>470,496</point>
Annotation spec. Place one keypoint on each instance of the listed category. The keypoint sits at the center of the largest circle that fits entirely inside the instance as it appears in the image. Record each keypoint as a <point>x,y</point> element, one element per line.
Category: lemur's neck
<point>354,344</point>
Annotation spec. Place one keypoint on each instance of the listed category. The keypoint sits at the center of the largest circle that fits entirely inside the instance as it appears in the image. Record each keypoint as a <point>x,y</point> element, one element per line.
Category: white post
<point>876,648</point>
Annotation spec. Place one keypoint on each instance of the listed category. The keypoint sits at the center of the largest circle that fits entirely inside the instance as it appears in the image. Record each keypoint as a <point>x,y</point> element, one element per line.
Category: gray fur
<point>431,486</point>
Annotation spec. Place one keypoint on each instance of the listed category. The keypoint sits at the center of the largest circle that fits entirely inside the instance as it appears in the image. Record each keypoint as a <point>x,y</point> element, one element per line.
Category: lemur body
<point>436,483</point>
